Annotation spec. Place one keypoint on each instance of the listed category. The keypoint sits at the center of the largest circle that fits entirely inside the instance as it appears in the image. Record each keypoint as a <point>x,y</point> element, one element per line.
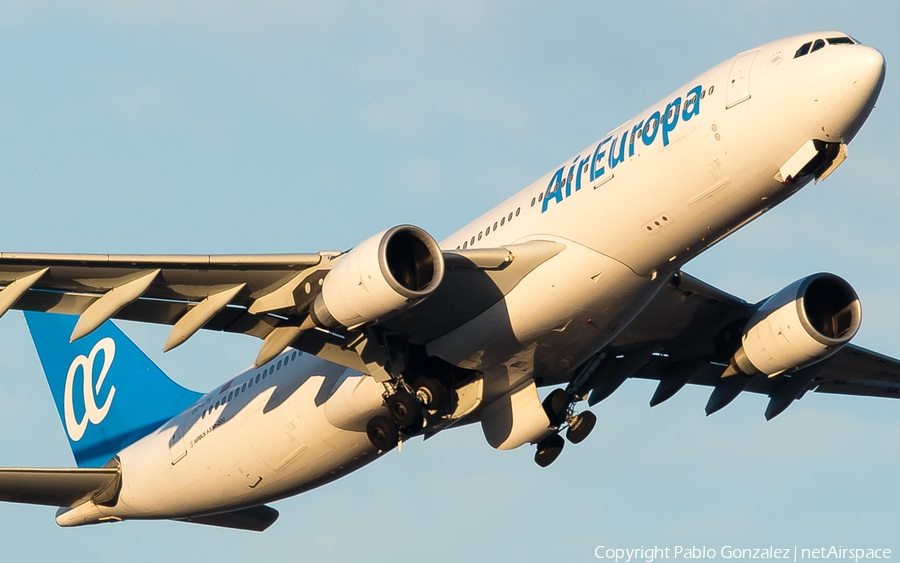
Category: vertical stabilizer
<point>109,394</point>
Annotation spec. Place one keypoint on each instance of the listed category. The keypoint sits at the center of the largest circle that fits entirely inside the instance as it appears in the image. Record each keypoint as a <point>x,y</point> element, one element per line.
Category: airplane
<point>574,284</point>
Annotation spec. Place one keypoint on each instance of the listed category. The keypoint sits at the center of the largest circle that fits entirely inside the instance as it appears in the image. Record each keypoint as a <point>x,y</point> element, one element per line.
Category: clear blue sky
<point>227,127</point>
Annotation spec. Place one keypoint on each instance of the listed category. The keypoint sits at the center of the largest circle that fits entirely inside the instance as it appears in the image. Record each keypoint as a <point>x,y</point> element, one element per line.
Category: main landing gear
<point>407,407</point>
<point>559,406</point>
<point>383,433</point>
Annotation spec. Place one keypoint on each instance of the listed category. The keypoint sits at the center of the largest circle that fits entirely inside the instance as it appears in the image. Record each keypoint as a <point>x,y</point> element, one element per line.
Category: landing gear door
<point>738,88</point>
<point>515,419</point>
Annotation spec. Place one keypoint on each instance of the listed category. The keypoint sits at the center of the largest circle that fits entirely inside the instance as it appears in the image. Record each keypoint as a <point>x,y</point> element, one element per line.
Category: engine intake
<point>802,324</point>
<point>382,276</point>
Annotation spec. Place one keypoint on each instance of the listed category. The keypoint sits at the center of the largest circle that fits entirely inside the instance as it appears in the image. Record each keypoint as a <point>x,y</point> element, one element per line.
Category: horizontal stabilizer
<point>57,487</point>
<point>255,519</point>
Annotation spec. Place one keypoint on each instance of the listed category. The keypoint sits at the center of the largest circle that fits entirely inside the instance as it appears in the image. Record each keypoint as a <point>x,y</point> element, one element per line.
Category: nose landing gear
<point>580,426</point>
<point>560,408</point>
<point>548,450</point>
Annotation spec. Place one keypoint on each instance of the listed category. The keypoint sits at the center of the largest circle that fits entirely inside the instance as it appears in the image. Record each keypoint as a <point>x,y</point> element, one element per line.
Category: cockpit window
<point>819,43</point>
<point>803,50</point>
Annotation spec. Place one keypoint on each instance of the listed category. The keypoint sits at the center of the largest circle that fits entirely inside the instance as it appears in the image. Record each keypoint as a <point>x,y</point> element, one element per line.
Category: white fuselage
<point>294,424</point>
<point>634,206</point>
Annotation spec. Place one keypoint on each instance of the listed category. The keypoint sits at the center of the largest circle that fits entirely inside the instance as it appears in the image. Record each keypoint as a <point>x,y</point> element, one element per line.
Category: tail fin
<point>108,393</point>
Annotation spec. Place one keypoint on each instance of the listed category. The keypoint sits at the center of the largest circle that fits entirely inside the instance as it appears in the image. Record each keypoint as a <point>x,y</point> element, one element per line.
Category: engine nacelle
<point>380,277</point>
<point>802,324</point>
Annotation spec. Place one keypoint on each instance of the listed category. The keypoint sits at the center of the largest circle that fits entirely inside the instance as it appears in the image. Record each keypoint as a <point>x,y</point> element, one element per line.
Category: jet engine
<point>802,324</point>
<point>382,276</point>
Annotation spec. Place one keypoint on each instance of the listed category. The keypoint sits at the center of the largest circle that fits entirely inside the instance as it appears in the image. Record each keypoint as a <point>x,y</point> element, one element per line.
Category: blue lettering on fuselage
<point>610,152</point>
<point>553,189</point>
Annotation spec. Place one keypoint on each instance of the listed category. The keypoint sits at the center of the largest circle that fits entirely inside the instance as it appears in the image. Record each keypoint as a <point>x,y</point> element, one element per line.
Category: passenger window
<point>244,387</point>
<point>487,231</point>
<point>817,45</point>
<point>803,50</point>
<point>480,235</point>
<point>520,209</point>
<point>217,405</point>
<point>502,221</point>
<point>532,202</point>
<point>257,378</point>
<point>279,365</point>
<point>229,396</point>
<point>249,384</point>
<point>540,197</point>
<point>465,245</point>
<point>510,216</point>
<point>472,241</point>
<point>495,225</point>
<point>293,356</point>
<point>237,392</point>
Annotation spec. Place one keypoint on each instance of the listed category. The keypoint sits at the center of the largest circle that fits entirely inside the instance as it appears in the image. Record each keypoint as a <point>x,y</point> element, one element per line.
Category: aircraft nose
<point>864,67</point>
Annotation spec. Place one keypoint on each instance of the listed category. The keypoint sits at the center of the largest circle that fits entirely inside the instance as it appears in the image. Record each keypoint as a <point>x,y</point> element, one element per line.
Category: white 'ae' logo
<point>92,413</point>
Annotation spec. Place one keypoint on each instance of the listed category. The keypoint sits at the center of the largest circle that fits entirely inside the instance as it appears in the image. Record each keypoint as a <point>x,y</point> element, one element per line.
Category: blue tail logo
<point>92,413</point>
<point>108,393</point>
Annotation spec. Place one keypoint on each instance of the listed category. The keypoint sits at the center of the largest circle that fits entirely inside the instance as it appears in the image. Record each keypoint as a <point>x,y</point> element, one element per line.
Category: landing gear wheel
<point>555,405</point>
<point>431,392</point>
<point>581,426</point>
<point>549,450</point>
<point>383,433</point>
<point>405,410</point>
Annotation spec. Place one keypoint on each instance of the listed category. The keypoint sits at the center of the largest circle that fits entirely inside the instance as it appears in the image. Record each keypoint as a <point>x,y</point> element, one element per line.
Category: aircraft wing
<point>688,333</point>
<point>267,296</point>
<point>152,288</point>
